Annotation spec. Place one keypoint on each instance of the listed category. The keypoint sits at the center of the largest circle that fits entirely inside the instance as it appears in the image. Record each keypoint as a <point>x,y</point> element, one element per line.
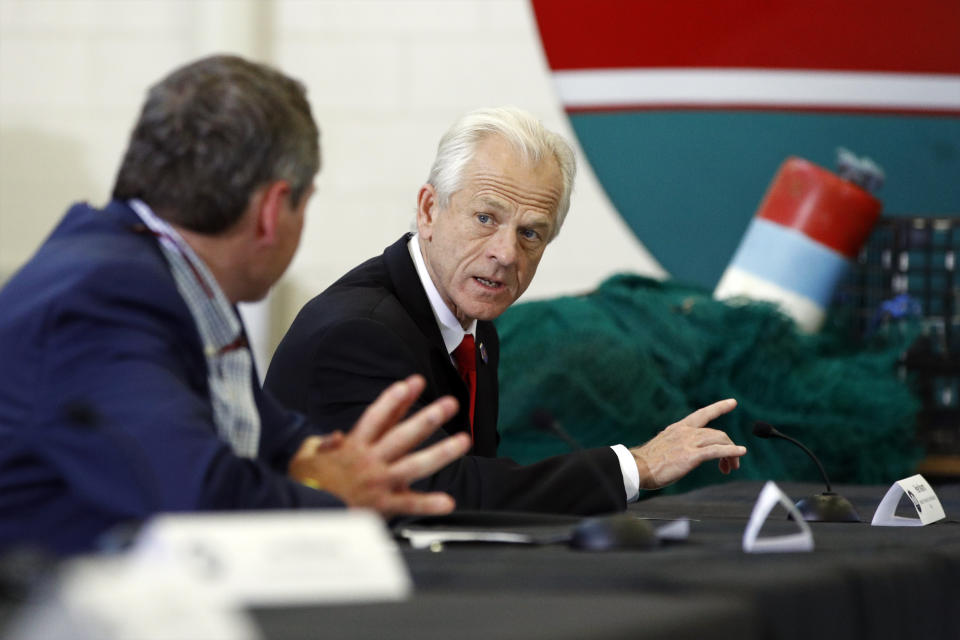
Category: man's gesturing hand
<point>682,446</point>
<point>371,467</point>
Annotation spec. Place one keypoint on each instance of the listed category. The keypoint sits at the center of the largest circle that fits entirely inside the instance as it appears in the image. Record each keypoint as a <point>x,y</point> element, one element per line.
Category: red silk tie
<point>465,356</point>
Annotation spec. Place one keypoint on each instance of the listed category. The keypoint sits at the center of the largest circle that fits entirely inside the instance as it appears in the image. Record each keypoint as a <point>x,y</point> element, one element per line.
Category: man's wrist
<point>643,471</point>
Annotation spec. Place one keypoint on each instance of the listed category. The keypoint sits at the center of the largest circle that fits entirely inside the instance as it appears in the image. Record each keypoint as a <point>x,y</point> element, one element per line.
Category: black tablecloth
<point>859,582</point>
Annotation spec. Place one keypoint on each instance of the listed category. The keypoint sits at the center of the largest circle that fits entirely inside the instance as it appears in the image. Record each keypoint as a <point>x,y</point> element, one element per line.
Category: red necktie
<point>465,356</point>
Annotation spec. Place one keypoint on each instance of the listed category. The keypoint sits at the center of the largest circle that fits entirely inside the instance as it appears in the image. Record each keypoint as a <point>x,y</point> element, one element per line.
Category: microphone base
<point>827,507</point>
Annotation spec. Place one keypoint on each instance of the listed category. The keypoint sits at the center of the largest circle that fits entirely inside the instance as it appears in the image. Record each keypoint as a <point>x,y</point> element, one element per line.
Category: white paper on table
<point>282,557</point>
<point>770,495</point>
<point>921,494</point>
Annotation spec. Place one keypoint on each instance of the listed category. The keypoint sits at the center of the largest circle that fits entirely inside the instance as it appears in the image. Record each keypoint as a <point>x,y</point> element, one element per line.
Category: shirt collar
<point>450,327</point>
<point>219,325</point>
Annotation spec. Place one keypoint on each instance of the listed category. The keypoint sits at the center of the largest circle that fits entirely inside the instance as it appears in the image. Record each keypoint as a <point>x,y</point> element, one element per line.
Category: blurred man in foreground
<point>127,386</point>
<point>497,194</point>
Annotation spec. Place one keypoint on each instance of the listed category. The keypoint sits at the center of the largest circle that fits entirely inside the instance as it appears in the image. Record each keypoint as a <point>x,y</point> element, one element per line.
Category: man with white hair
<point>496,195</point>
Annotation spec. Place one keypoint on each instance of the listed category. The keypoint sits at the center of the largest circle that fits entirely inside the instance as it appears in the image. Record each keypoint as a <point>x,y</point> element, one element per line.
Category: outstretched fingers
<point>416,504</point>
<point>684,445</point>
<point>426,461</point>
<point>709,413</point>
<point>391,405</point>
<point>714,443</point>
<point>408,434</point>
<point>706,436</point>
<point>715,451</point>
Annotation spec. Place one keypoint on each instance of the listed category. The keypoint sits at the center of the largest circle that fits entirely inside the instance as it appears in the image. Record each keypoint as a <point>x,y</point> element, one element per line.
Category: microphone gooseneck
<point>825,507</point>
<point>767,430</point>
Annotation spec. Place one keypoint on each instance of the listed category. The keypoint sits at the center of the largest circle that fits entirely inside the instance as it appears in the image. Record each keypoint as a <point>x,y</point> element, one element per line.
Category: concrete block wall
<point>385,78</point>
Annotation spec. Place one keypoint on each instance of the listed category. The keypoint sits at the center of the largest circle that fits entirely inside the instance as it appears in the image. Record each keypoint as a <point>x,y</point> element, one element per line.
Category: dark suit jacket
<point>375,326</point>
<point>105,412</point>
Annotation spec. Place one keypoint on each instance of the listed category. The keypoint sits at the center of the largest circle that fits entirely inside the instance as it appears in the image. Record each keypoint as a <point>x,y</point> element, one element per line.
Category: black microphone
<point>767,430</point>
<point>823,507</point>
<point>616,531</point>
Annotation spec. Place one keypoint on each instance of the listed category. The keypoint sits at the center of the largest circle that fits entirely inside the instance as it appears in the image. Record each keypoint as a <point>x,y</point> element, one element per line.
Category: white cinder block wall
<point>385,78</point>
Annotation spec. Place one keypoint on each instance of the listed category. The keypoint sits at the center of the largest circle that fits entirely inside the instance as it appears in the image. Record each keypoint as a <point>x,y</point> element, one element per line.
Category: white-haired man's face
<point>482,250</point>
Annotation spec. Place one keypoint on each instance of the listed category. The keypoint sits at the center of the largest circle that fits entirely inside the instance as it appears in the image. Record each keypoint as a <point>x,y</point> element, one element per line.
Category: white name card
<point>921,494</point>
<point>282,557</point>
<point>769,497</point>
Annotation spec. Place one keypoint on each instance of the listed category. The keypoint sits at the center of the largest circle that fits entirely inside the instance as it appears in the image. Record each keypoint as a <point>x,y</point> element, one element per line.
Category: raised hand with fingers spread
<point>372,465</point>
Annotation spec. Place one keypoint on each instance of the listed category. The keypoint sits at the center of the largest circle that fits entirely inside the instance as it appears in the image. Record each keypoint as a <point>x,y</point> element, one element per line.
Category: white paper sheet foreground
<point>770,495</point>
<point>921,494</point>
<point>281,557</point>
<point>113,598</point>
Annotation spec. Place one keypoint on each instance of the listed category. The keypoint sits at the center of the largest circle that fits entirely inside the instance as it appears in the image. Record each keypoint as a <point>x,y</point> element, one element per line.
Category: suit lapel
<point>409,291</point>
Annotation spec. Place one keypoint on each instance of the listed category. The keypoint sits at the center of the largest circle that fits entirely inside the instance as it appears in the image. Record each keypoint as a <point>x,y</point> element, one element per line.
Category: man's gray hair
<point>532,141</point>
<point>210,134</point>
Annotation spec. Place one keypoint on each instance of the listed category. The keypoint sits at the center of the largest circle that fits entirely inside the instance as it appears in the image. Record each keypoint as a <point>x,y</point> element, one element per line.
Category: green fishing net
<point>621,363</point>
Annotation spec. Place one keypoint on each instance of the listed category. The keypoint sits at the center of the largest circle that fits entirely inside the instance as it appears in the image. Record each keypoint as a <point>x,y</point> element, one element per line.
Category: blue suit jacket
<point>105,412</point>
